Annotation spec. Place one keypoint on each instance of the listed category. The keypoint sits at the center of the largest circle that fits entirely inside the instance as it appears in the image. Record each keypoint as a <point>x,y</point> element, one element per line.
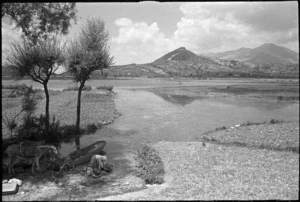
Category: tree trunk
<point>77,141</point>
<point>47,107</point>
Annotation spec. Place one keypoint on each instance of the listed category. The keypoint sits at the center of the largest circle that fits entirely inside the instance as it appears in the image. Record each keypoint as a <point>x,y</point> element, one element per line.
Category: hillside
<point>180,54</point>
<point>266,61</point>
<point>267,53</point>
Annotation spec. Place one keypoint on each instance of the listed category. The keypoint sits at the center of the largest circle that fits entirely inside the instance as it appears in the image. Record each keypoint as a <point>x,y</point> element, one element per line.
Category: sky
<point>142,32</point>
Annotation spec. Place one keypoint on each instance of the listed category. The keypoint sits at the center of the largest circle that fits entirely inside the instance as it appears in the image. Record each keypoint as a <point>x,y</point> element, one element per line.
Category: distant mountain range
<point>267,53</point>
<point>267,60</point>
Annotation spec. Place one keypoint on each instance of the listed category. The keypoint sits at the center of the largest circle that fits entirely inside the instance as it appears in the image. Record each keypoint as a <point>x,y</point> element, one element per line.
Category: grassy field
<point>97,107</point>
<point>216,172</point>
<point>280,136</point>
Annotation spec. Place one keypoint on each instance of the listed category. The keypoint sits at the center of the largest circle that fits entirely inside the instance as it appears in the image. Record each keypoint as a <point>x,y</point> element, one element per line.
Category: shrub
<point>75,88</point>
<point>68,131</point>
<point>11,124</point>
<point>221,128</point>
<point>91,128</point>
<point>70,88</point>
<point>103,87</point>
<point>274,121</point>
<point>13,87</point>
<point>280,98</point>
<point>150,166</point>
<point>87,88</point>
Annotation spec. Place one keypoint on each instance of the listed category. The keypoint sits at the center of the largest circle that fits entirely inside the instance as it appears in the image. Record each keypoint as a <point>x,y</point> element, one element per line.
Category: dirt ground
<point>74,185</point>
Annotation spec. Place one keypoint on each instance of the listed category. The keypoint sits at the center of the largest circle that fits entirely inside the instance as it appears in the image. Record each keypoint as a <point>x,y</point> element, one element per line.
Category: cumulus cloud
<point>210,27</point>
<point>220,26</point>
<point>138,42</point>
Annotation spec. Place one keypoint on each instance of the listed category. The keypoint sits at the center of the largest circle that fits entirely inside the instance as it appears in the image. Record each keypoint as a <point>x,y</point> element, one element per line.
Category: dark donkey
<point>28,151</point>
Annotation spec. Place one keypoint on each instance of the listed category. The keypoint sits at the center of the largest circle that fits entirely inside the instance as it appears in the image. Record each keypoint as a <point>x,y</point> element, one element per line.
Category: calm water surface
<point>148,118</point>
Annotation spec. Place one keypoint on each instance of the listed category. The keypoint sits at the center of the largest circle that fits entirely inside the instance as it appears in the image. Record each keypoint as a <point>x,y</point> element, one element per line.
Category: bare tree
<point>87,53</point>
<point>39,62</point>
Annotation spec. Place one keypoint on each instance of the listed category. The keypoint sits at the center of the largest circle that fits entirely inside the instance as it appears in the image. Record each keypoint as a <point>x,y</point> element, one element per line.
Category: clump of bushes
<point>248,123</point>
<point>221,128</point>
<point>75,88</point>
<point>150,166</point>
<point>103,87</point>
<point>274,121</point>
<point>68,131</point>
<point>13,87</point>
<point>91,128</point>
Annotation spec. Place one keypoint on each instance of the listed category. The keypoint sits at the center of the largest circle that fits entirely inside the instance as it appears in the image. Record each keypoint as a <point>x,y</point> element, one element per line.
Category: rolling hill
<point>267,53</point>
<point>267,60</point>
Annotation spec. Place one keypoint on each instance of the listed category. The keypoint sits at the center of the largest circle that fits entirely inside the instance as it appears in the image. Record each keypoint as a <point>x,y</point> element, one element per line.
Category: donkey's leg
<point>33,163</point>
<point>12,163</point>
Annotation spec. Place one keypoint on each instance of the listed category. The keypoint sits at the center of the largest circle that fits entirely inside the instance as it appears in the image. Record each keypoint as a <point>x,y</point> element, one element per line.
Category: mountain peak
<point>179,54</point>
<point>265,53</point>
<point>181,48</point>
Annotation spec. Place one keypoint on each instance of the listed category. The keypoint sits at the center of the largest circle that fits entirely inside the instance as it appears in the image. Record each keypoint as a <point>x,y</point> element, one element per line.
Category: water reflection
<point>178,99</point>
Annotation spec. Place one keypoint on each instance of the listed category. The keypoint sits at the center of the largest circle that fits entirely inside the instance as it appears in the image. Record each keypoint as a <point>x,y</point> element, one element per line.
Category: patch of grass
<point>75,88</point>
<point>104,87</point>
<point>150,166</point>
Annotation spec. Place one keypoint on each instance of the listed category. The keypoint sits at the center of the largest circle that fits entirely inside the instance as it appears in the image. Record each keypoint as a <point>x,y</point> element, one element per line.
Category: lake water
<point>149,118</point>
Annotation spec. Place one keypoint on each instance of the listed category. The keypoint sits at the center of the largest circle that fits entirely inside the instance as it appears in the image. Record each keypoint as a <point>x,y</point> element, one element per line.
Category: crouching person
<point>97,163</point>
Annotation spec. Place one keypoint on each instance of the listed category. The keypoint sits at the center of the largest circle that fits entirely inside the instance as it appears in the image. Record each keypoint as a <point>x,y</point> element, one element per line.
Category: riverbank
<point>97,107</point>
<point>197,171</point>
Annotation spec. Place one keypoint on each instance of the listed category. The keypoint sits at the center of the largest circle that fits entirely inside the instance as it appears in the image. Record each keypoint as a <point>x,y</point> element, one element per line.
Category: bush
<point>75,88</point>
<point>221,128</point>
<point>274,121</point>
<point>13,87</point>
<point>70,88</point>
<point>87,88</point>
<point>68,131</point>
<point>91,128</point>
<point>150,166</point>
<point>103,87</point>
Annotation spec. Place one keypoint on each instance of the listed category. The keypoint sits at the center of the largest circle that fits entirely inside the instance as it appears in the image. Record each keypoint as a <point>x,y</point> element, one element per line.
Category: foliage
<point>17,86</point>
<point>91,128</point>
<point>221,128</point>
<point>104,87</point>
<point>75,88</point>
<point>68,131</point>
<point>39,20</point>
<point>29,100</point>
<point>39,62</point>
<point>87,53</point>
<point>150,166</point>
<point>11,124</point>
<point>274,121</point>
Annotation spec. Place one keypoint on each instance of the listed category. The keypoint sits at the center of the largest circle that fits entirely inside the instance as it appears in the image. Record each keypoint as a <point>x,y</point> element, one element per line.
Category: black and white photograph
<point>150,100</point>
